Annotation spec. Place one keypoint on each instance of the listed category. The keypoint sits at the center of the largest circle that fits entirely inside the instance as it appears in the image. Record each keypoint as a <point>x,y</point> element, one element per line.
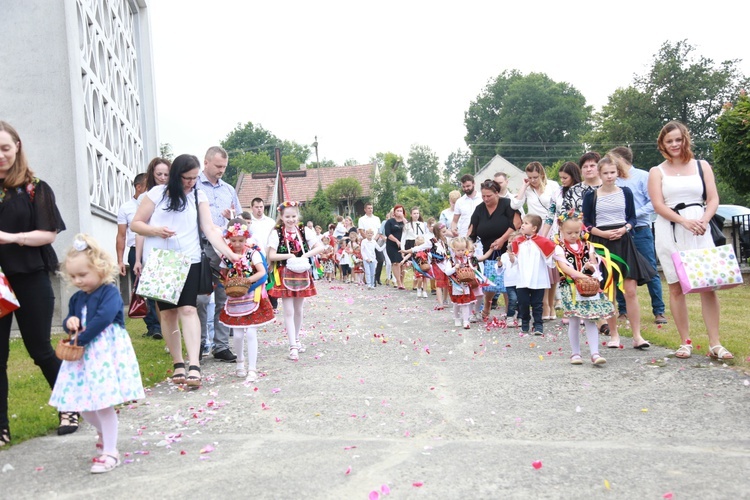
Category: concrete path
<point>391,398</point>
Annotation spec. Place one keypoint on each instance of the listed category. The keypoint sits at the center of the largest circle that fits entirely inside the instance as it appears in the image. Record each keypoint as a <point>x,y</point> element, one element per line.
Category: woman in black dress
<point>492,222</point>
<point>29,223</point>
<point>394,229</point>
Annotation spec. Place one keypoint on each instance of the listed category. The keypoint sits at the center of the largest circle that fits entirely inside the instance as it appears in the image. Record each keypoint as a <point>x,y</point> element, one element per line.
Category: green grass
<point>31,416</point>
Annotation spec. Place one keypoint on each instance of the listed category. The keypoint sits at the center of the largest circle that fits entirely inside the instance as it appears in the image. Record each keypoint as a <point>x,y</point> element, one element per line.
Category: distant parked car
<point>727,211</point>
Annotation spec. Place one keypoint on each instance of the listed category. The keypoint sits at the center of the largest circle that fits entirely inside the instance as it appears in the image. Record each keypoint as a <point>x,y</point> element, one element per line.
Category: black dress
<point>395,228</point>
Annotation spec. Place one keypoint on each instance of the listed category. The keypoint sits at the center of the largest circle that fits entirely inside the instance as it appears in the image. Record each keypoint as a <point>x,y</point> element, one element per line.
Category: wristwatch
<point>628,227</point>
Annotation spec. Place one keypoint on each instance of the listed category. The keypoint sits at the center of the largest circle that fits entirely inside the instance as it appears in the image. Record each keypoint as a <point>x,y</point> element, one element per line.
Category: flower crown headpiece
<point>570,214</point>
<point>237,229</point>
<point>287,204</point>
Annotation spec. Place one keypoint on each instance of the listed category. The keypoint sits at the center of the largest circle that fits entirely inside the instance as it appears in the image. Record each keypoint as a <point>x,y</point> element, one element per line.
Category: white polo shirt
<point>369,222</point>
<point>125,216</point>
<point>465,208</point>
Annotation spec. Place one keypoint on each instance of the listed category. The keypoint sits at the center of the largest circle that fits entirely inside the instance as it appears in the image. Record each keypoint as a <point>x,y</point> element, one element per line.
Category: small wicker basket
<point>587,287</point>
<point>67,351</point>
<point>424,266</point>
<point>465,274</point>
<point>237,286</point>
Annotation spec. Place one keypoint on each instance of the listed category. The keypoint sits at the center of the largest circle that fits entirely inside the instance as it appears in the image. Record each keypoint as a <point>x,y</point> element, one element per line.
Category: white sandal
<point>104,463</point>
<point>719,353</point>
<point>293,353</point>
<point>684,351</point>
<point>252,376</point>
<point>597,359</point>
<point>576,359</point>
<point>301,347</point>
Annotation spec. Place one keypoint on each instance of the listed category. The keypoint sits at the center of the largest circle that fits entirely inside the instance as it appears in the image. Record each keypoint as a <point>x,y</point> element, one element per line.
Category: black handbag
<point>716,223</point>
<point>205,279</point>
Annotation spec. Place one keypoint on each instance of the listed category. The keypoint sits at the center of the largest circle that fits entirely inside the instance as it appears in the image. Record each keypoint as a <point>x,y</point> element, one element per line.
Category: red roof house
<point>300,184</point>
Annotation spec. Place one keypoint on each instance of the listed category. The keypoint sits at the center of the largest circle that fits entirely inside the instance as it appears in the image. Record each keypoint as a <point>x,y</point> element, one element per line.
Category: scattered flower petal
<point>374,495</point>
<point>207,449</point>
<point>417,484</point>
<point>348,470</point>
<point>537,464</point>
<point>385,489</point>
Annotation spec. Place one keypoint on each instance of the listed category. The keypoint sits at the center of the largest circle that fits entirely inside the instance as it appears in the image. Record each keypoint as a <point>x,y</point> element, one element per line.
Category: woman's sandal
<point>68,422</point>
<point>719,353</point>
<point>104,463</point>
<point>293,353</point>
<point>684,351</point>
<point>194,380</point>
<point>4,436</point>
<point>179,378</point>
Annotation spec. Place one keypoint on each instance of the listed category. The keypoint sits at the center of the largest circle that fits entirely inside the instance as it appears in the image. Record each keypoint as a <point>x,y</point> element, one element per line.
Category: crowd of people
<point>583,246</point>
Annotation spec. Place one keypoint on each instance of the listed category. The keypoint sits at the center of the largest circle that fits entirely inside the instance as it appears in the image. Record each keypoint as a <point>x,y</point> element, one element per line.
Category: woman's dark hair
<point>574,171</point>
<point>175,192</point>
<point>490,184</point>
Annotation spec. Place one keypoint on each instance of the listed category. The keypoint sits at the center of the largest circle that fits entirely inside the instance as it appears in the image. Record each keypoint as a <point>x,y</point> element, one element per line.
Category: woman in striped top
<point>610,213</point>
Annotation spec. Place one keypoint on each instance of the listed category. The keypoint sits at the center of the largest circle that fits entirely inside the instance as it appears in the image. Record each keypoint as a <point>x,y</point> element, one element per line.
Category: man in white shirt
<point>224,204</point>
<point>502,179</point>
<point>465,207</point>
<point>126,239</point>
<point>370,221</point>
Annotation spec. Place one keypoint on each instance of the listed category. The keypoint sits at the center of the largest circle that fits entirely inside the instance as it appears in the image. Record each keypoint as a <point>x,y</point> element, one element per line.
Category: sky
<point>380,76</point>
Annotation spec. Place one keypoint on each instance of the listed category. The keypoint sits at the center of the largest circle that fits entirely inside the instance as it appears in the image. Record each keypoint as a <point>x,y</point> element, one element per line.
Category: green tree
<point>412,196</point>
<point>165,151</point>
<point>423,166</point>
<point>679,85</point>
<point>526,118</point>
<point>351,162</point>
<point>318,209</point>
<point>259,144</point>
<point>732,150</point>
<point>457,162</point>
<point>630,118</point>
<point>346,189</point>
<point>386,181</point>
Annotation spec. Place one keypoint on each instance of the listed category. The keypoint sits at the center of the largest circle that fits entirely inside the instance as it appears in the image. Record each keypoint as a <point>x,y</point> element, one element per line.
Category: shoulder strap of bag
<point>202,237</point>
<point>703,181</point>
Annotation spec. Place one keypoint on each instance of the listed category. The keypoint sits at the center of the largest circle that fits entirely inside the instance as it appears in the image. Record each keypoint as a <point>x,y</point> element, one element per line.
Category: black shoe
<point>68,422</point>
<point>434,292</point>
<point>157,335</point>
<point>226,356</point>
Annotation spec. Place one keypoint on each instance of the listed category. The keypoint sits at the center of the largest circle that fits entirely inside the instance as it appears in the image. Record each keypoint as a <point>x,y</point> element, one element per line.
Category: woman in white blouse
<point>538,194</point>
<point>415,227</point>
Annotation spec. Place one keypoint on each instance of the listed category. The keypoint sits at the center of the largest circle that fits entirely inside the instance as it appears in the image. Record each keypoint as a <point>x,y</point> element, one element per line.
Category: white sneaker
<point>457,322</point>
<point>473,318</point>
<point>424,294</point>
<point>419,293</point>
<point>252,376</point>
<point>241,372</point>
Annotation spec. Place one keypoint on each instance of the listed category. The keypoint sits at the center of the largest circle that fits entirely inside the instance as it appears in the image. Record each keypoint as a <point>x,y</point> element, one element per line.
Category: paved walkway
<point>391,397</point>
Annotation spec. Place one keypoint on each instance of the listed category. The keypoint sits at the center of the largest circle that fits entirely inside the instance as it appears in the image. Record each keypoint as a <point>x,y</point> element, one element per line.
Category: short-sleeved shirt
<point>184,223</point>
<point>371,222</point>
<point>464,207</point>
<point>395,228</point>
<point>488,227</point>
<point>125,216</point>
<point>19,213</point>
<point>260,229</point>
<point>220,197</point>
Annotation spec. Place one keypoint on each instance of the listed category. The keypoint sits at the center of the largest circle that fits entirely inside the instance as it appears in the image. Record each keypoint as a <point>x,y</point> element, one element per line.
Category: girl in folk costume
<point>440,252</point>
<point>326,257</point>
<point>415,227</point>
<point>246,312</point>
<point>292,277</point>
<point>462,294</point>
<point>577,259</point>
<point>358,267</point>
<point>418,256</point>
<point>107,374</point>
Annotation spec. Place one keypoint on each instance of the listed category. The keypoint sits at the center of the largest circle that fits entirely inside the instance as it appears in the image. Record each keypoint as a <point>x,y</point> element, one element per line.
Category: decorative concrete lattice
<point>107,31</point>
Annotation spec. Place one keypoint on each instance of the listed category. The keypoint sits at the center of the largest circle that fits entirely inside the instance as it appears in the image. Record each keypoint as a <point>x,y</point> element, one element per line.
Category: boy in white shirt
<point>509,263</point>
<point>535,257</point>
<point>369,258</point>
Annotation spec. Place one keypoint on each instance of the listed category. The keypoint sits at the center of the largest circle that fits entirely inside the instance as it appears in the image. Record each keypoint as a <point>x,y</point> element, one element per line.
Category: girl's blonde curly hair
<point>100,260</point>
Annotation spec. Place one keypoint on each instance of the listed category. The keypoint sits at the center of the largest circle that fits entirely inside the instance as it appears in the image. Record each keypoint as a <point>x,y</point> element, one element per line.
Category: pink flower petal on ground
<point>349,448</point>
<point>385,489</point>
<point>207,449</point>
<point>417,484</point>
<point>348,470</point>
<point>668,495</point>
<point>276,390</point>
<point>537,464</point>
<point>374,495</point>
